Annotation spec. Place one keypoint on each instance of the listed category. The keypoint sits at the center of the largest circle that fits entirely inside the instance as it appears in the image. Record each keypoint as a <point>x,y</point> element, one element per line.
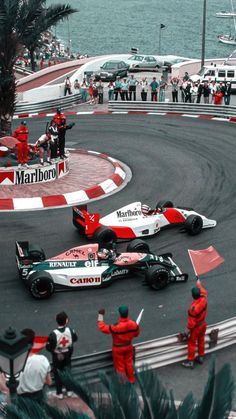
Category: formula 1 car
<point>137,220</point>
<point>90,267</point>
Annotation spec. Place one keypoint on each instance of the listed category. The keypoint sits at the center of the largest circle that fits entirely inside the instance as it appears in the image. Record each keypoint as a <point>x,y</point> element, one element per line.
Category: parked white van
<point>218,73</point>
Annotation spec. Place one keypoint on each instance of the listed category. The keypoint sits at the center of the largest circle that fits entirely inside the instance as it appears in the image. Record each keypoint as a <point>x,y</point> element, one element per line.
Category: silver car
<point>143,62</point>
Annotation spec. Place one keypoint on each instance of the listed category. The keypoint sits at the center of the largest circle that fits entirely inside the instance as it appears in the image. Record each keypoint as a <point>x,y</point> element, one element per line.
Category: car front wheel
<point>157,277</point>
<point>41,285</point>
<point>193,224</point>
<point>138,245</point>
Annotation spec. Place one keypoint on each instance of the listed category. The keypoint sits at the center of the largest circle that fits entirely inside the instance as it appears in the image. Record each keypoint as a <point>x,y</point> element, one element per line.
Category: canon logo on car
<point>86,281</point>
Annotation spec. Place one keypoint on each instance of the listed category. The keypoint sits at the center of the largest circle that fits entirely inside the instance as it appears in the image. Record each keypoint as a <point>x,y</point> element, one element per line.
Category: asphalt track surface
<point>191,162</point>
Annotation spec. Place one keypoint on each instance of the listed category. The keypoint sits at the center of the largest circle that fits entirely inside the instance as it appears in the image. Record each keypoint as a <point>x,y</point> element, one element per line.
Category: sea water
<point>115,26</point>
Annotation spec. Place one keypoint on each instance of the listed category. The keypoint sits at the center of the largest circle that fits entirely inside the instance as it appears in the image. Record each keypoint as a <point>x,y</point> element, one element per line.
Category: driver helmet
<point>103,254</point>
<point>145,209</point>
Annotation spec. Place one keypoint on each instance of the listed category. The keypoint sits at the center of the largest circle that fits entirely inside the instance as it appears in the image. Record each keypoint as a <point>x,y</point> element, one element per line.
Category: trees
<point>21,24</point>
<point>107,398</point>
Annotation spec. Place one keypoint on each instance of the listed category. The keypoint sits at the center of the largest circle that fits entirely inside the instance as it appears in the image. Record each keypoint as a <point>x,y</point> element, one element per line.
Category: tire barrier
<point>221,111</point>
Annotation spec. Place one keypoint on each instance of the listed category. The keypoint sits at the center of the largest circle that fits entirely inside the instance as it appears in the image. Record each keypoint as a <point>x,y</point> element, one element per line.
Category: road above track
<point>189,162</point>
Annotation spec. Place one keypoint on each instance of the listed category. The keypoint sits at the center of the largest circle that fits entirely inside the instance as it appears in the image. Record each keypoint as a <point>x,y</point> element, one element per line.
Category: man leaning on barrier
<point>122,333</point>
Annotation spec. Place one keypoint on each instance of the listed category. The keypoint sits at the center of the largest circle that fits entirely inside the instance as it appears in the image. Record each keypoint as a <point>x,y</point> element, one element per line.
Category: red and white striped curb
<point>108,186</point>
<point>43,115</point>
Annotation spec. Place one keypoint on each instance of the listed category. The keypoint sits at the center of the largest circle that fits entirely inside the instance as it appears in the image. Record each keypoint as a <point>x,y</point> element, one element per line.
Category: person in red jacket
<point>122,333</point>
<point>22,134</point>
<point>196,325</point>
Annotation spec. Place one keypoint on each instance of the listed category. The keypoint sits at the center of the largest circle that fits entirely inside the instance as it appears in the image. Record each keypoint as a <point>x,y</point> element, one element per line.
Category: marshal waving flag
<point>205,260</point>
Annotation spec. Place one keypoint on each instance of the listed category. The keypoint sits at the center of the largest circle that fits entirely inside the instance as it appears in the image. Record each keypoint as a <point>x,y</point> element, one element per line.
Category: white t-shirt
<point>34,375</point>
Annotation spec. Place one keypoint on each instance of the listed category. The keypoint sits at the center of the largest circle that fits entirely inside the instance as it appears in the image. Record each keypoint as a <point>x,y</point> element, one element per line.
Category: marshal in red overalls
<point>122,333</point>
<point>196,323</point>
<point>22,134</point>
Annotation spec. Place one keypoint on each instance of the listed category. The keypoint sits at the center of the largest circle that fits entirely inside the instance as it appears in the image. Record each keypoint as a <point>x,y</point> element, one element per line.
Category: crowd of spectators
<point>154,89</point>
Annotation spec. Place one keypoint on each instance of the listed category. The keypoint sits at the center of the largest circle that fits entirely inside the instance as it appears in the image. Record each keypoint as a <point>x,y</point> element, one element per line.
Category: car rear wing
<point>88,220</point>
<point>22,249</point>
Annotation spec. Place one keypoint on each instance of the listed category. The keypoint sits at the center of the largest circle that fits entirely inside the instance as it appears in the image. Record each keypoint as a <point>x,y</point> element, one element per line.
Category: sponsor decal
<point>118,272</point>
<point>90,263</point>
<point>34,176</point>
<point>93,280</point>
<point>75,252</point>
<point>62,264</point>
<point>128,213</point>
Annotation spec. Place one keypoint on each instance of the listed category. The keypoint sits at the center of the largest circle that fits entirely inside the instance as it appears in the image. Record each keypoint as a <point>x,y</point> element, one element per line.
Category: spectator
<point>41,64</point>
<point>199,92</point>
<point>117,88</point>
<point>62,128</point>
<point>76,86</point>
<point>144,88</point>
<point>196,325</point>
<point>67,86</point>
<point>194,92</point>
<point>44,145</point>
<point>175,84</point>
<point>91,91</point>
<point>124,90</point>
<point>36,373</point>
<point>100,88</point>
<point>206,92</point>
<point>186,76</point>
<point>132,83</point>
<point>22,134</point>
<point>111,87</point>
<point>60,344</point>
<point>154,89</point>
<point>162,88</point>
<point>84,90</point>
<point>227,95</point>
<point>122,333</point>
<point>95,93</point>
<point>212,86</point>
<point>188,95</point>
<point>53,130</point>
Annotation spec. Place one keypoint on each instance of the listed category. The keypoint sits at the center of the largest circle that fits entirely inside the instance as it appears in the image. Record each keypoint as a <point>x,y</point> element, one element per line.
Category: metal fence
<point>221,111</point>
<point>63,102</point>
<point>158,352</point>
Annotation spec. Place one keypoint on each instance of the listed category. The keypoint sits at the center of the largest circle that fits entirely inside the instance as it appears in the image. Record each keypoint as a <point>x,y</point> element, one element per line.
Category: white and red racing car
<point>90,267</point>
<point>137,220</point>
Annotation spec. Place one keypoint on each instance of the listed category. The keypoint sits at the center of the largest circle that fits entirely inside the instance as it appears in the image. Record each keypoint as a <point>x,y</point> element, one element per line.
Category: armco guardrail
<point>63,102</point>
<point>221,111</point>
<point>156,353</point>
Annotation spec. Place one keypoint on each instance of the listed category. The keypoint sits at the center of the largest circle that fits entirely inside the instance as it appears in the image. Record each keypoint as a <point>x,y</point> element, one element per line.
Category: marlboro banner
<point>205,260</point>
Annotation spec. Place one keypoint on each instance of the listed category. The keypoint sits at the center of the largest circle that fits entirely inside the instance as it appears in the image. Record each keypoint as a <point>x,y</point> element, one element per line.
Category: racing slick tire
<point>36,253</point>
<point>157,277</point>
<point>193,224</point>
<point>138,245</point>
<point>105,236</point>
<point>165,204</point>
<point>41,285</point>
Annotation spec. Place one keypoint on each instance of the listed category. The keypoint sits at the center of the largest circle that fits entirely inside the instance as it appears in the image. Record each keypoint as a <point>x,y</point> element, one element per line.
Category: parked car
<point>88,266</point>
<point>111,69</point>
<point>143,62</point>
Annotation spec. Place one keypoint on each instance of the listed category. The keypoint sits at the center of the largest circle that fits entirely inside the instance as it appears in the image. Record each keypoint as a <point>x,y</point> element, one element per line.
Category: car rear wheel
<point>193,224</point>
<point>157,277</point>
<point>41,285</point>
<point>164,204</point>
<point>105,236</point>
<point>138,245</point>
<point>36,253</point>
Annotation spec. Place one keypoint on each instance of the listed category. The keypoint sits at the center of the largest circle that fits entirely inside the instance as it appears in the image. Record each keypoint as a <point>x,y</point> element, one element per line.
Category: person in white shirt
<point>35,375</point>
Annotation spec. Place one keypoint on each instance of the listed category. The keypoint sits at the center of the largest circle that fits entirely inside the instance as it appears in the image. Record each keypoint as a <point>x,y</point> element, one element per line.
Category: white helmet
<point>103,254</point>
<point>145,209</point>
